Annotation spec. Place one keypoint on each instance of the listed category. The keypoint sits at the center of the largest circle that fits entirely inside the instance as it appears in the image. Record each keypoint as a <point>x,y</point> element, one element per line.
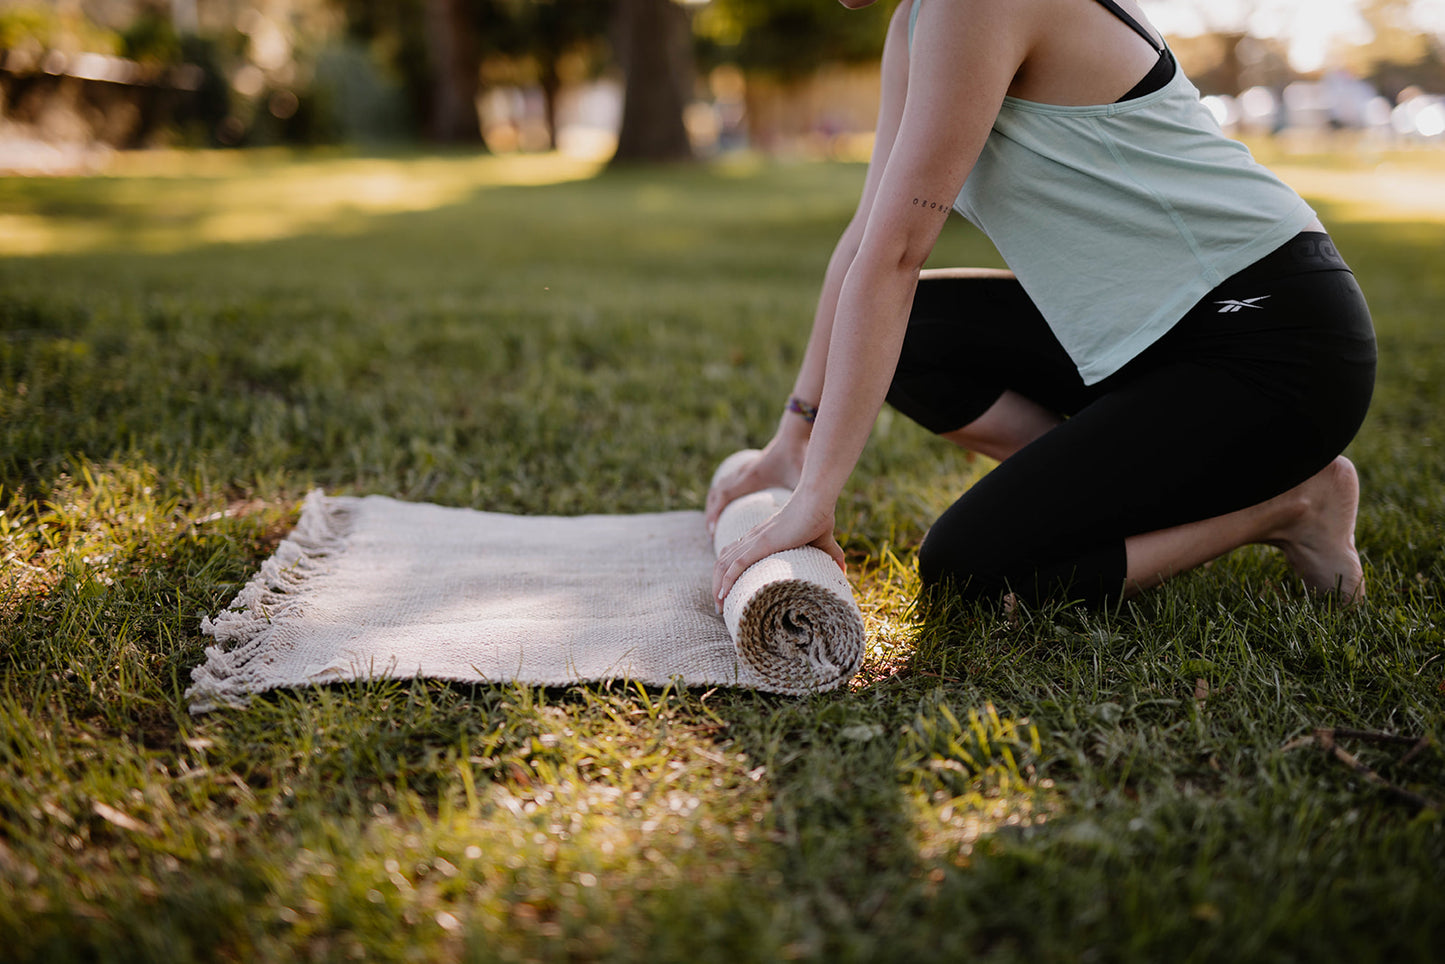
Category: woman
<point>1170,370</point>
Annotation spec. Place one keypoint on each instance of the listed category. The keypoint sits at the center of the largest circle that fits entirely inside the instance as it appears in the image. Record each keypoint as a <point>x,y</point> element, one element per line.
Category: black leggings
<point>1256,389</point>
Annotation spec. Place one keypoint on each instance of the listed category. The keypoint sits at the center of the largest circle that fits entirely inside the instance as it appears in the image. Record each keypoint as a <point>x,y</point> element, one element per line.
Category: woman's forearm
<point>809,384</point>
<point>864,340</point>
<point>892,96</point>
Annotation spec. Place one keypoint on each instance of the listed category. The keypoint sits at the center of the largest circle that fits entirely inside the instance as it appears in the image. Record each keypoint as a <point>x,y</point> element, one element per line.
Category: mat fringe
<point>245,633</point>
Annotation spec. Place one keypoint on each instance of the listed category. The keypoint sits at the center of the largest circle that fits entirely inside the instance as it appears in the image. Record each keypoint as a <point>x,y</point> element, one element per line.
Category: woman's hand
<point>779,464</point>
<point>796,524</point>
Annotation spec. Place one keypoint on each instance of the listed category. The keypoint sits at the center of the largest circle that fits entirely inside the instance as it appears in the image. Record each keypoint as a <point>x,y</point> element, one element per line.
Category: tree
<point>451,44</point>
<point>435,48</point>
<point>394,33</point>
<point>438,47</point>
<point>780,45</point>
<point>790,39</point>
<point>653,43</point>
<point>545,32</point>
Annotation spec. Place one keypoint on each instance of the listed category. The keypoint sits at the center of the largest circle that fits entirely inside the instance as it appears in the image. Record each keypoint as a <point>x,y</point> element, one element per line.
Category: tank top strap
<point>1138,27</point>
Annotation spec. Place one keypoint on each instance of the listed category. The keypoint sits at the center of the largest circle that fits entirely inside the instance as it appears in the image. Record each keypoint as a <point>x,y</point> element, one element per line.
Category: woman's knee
<point>977,559</point>
<point>948,559</point>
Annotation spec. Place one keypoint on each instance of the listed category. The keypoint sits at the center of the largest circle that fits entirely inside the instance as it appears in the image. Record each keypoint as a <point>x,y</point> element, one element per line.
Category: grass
<point>190,345</point>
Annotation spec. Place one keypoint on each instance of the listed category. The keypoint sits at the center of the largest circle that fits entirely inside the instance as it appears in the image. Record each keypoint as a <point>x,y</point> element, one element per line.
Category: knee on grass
<point>974,570</point>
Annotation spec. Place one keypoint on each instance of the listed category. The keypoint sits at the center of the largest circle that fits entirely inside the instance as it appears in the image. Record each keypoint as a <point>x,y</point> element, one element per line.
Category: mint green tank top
<point>1118,218</point>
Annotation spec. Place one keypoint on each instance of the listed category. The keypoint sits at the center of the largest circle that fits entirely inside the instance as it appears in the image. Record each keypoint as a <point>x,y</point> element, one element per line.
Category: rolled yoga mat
<point>371,587</point>
<point>791,615</point>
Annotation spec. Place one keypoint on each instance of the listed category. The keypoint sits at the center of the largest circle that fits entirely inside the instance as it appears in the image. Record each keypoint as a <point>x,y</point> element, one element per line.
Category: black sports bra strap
<point>1123,15</point>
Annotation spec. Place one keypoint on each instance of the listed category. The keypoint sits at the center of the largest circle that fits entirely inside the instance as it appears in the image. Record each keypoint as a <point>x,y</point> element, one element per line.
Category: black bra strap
<point>1123,15</point>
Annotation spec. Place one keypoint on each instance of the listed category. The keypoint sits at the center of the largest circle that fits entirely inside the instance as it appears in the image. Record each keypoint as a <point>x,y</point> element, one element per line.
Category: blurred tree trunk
<point>654,46</point>
<point>1231,67</point>
<point>551,85</point>
<point>452,48</point>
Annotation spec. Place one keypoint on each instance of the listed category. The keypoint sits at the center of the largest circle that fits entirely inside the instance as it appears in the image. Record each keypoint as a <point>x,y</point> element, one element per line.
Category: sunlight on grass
<point>972,777</point>
<point>170,201</point>
<point>885,586</point>
<point>1381,194</point>
<point>1391,187</point>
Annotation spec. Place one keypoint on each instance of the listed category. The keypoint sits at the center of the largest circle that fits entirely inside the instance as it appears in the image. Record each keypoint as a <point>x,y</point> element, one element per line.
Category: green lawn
<point>191,344</point>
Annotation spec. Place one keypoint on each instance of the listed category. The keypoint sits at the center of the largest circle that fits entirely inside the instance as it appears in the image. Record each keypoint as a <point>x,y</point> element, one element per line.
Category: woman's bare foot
<point>1318,536</point>
<point>1313,523</point>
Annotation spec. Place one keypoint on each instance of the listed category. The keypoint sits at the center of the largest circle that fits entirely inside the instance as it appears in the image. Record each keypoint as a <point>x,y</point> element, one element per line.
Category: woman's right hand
<point>779,464</point>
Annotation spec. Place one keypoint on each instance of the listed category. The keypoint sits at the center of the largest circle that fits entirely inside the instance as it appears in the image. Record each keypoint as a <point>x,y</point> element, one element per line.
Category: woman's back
<point>1083,53</point>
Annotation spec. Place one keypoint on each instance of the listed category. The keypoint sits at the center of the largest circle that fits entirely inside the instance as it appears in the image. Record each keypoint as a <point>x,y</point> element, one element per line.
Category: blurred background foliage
<point>232,73</point>
<point>634,79</point>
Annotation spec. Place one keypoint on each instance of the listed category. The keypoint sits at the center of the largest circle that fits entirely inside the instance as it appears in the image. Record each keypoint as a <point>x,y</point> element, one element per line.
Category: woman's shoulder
<point>981,21</point>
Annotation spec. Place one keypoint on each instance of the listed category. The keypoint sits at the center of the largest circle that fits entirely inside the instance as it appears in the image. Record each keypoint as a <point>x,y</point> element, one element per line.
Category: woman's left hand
<point>796,524</point>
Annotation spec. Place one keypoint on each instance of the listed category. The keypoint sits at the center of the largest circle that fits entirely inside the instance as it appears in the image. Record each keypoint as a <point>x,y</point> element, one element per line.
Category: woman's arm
<point>893,94</point>
<point>965,54</point>
<point>782,459</point>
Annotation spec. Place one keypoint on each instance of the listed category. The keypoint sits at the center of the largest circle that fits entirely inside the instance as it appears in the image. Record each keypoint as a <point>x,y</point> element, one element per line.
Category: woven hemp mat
<point>373,587</point>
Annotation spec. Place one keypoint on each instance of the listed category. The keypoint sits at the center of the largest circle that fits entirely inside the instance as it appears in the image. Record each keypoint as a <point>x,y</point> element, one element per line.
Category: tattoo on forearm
<point>931,205</point>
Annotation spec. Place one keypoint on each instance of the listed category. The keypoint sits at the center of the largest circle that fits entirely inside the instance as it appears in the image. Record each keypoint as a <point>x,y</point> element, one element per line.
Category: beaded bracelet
<point>802,409</point>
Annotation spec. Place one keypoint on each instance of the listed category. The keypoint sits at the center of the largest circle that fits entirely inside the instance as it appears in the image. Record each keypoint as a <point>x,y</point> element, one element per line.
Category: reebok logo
<point>1232,306</point>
